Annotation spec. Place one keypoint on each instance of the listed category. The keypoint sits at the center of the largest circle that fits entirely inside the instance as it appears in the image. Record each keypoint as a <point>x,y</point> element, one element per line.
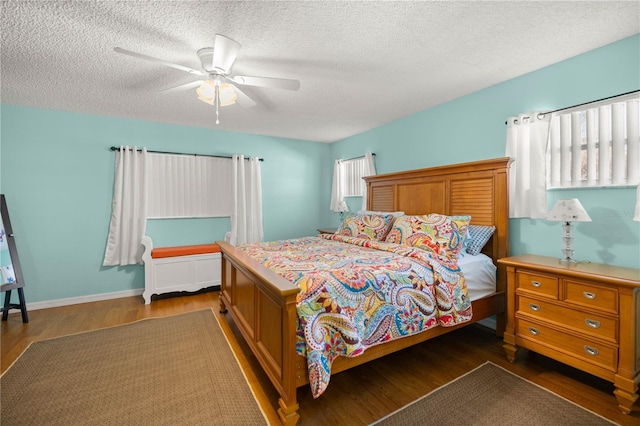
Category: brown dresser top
<point>586,270</point>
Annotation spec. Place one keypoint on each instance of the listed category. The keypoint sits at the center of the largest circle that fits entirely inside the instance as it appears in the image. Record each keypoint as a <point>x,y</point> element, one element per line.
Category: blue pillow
<point>477,237</point>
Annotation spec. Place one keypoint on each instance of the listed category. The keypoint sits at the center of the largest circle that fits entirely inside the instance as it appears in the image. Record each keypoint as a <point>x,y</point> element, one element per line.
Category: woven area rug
<point>490,395</point>
<point>158,371</point>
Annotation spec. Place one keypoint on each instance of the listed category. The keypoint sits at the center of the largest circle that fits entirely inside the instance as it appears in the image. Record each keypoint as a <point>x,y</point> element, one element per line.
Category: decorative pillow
<point>369,226</point>
<point>477,237</point>
<point>394,214</point>
<point>443,235</point>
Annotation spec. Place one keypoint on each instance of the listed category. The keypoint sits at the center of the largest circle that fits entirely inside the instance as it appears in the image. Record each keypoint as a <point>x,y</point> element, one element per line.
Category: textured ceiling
<point>360,64</point>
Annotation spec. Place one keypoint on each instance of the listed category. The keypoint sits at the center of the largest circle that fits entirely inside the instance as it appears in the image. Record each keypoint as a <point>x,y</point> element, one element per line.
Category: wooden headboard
<point>478,189</point>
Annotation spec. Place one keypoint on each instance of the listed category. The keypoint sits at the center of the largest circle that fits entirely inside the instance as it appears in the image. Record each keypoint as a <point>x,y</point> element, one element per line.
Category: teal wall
<point>473,128</point>
<point>57,176</point>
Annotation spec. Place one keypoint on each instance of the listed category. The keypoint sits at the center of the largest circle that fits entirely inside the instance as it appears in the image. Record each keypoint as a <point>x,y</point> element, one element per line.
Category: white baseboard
<point>82,299</point>
<point>489,322</point>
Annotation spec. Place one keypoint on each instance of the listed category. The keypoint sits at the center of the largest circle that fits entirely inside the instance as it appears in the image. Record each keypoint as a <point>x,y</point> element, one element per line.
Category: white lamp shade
<point>207,93</point>
<point>342,207</point>
<point>568,210</point>
<point>227,95</point>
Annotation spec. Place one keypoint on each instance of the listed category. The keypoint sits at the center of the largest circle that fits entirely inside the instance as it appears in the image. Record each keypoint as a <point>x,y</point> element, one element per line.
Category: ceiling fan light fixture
<point>207,92</point>
<point>227,95</point>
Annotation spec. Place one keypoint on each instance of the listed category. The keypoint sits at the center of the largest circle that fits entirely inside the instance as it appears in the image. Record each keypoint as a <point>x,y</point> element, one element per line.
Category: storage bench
<point>179,268</point>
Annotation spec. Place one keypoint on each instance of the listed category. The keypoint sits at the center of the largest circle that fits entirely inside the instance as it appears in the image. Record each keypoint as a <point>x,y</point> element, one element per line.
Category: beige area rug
<point>158,371</point>
<point>490,395</point>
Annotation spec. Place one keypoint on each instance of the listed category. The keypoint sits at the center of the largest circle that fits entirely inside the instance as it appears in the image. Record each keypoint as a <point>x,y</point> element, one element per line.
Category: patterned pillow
<point>368,226</point>
<point>443,235</point>
<point>477,237</point>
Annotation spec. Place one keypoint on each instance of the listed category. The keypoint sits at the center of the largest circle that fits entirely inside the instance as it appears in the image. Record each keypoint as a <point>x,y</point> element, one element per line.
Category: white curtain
<point>633,149</point>
<point>337,198</point>
<point>527,137</point>
<point>128,208</point>
<point>369,170</point>
<point>636,217</point>
<point>246,216</point>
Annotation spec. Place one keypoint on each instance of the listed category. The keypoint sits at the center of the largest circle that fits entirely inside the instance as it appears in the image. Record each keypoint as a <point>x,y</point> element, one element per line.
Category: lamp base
<point>567,250</point>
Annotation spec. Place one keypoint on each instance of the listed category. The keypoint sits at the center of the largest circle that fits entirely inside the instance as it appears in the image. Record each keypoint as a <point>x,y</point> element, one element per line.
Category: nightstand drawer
<point>596,297</point>
<point>542,285</point>
<point>595,325</point>
<point>595,353</point>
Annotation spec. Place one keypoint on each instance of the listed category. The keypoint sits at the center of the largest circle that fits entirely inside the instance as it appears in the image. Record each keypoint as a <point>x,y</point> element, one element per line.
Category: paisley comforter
<point>357,293</point>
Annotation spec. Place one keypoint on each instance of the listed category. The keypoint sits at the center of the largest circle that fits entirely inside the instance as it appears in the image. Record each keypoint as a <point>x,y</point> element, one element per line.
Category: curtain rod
<point>585,103</point>
<point>115,148</point>
<point>355,158</point>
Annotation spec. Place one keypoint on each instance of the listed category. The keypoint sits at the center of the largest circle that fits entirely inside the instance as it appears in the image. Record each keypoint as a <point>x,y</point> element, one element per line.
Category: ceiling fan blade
<point>275,83</point>
<point>186,86</point>
<point>159,61</point>
<point>225,51</point>
<point>243,99</point>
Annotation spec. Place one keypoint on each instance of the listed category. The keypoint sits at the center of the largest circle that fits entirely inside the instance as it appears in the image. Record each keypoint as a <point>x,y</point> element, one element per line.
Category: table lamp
<point>567,211</point>
<point>342,208</point>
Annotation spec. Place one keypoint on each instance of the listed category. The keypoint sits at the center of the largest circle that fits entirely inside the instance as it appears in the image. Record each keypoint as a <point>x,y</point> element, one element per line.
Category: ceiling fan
<point>219,87</point>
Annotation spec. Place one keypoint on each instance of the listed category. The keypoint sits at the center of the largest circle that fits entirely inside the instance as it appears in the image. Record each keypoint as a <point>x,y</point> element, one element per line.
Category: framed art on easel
<point>10,270</point>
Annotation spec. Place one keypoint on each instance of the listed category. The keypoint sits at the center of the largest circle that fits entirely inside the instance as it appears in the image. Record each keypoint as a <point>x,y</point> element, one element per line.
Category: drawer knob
<point>534,331</point>
<point>536,283</point>
<point>592,323</point>
<point>591,351</point>
<point>534,307</point>
<point>589,295</point>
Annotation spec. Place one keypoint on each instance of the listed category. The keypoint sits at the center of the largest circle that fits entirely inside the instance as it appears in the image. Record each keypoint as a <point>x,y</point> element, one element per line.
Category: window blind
<point>186,186</point>
<point>352,172</point>
<point>596,146</point>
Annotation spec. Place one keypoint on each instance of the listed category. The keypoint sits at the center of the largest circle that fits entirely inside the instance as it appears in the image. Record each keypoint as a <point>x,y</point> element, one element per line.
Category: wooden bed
<point>263,304</point>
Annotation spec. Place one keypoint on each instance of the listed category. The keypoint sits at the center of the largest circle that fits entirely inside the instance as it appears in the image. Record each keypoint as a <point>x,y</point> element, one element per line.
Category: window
<point>352,173</point>
<point>348,180</point>
<point>187,186</point>
<point>596,145</point>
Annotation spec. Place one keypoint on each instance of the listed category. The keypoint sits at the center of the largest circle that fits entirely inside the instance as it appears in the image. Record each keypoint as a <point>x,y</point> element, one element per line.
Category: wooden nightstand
<point>584,314</point>
<point>327,230</point>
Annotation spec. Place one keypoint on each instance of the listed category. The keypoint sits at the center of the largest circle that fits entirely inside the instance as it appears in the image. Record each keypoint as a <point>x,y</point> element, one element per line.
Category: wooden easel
<point>18,284</point>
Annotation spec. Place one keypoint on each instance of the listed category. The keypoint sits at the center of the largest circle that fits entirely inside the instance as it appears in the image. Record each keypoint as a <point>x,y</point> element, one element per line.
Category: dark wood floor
<point>355,397</point>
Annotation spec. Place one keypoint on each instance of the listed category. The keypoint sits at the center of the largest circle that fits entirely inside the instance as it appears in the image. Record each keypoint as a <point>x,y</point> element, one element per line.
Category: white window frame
<point>577,159</point>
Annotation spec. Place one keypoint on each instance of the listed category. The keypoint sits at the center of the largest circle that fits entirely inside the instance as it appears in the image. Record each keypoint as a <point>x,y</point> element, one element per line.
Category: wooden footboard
<point>263,306</point>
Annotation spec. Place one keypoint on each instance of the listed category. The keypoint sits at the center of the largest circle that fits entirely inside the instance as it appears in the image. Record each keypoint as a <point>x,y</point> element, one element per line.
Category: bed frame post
<point>263,307</point>
<point>288,411</point>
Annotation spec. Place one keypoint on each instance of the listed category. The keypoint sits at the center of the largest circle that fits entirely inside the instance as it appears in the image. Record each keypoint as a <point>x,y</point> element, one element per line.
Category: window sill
<point>564,188</point>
